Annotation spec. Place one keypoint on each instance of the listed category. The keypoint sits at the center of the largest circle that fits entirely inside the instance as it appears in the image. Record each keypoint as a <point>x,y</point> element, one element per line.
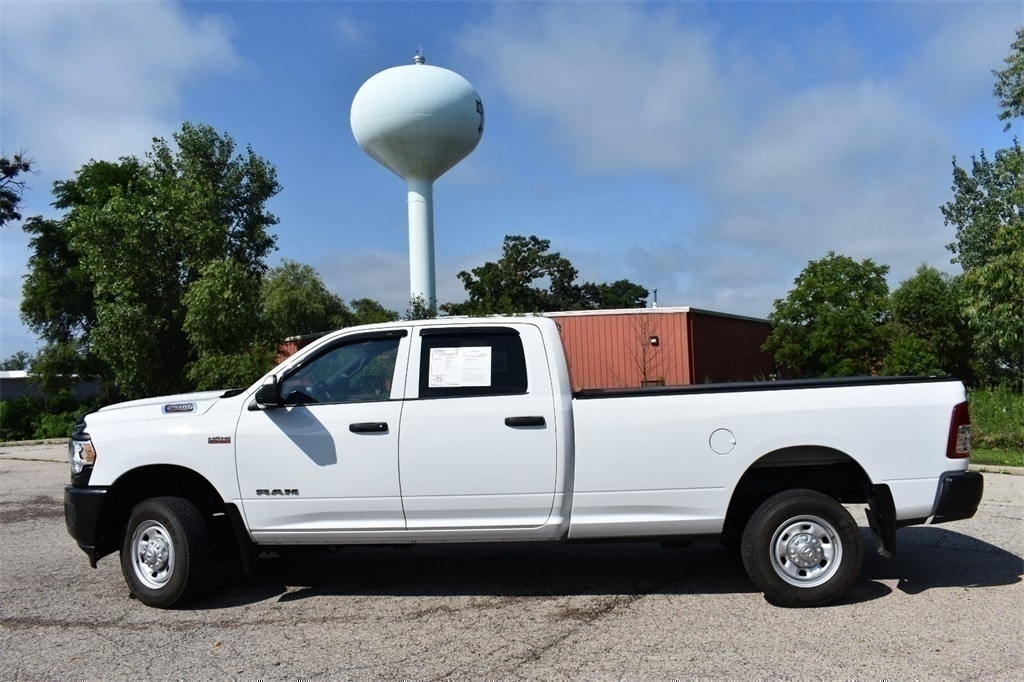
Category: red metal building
<point>662,346</point>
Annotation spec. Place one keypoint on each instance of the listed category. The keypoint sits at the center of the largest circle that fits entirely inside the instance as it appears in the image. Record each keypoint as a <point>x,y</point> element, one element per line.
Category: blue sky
<point>709,150</point>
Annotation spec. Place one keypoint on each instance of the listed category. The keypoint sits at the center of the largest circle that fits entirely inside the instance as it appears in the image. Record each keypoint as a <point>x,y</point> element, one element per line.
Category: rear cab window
<point>461,362</point>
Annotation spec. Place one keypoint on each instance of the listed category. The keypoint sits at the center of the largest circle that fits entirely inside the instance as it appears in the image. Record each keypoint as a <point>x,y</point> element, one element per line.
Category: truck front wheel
<point>802,548</point>
<point>166,551</point>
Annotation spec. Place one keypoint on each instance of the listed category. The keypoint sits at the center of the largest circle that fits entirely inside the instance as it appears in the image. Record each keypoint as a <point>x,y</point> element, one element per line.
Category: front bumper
<point>958,496</point>
<point>83,512</point>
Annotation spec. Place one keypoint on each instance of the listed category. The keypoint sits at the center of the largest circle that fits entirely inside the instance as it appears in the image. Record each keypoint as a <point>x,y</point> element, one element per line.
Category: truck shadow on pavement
<point>928,558</point>
<point>489,569</point>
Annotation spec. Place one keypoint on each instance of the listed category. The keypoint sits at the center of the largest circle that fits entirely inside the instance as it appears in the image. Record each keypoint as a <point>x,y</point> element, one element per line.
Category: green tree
<point>987,211</point>
<point>528,278</point>
<point>57,294</point>
<point>296,301</point>
<point>222,322</point>
<point>18,361</point>
<point>1009,86</point>
<point>137,236</point>
<point>929,334</point>
<point>12,185</point>
<point>368,311</point>
<point>617,295</point>
<point>832,323</point>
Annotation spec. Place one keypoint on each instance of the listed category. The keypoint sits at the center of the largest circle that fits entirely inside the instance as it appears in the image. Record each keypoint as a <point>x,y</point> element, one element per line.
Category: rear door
<point>477,443</point>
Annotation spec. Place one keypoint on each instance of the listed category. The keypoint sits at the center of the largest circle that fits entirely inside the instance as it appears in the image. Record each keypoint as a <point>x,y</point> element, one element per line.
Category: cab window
<point>354,371</point>
<point>471,362</point>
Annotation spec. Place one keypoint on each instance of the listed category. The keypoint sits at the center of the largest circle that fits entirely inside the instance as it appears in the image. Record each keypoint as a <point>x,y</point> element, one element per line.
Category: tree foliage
<point>20,360</point>
<point>12,185</point>
<point>832,323</point>
<point>112,277</point>
<point>296,301</point>
<point>929,335</point>
<point>529,278</point>
<point>987,211</point>
<point>369,311</point>
<point>1009,87</point>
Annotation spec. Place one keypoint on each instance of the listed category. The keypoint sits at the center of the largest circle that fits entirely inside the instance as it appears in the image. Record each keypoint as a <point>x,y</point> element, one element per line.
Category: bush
<point>18,417</point>
<point>997,417</point>
<point>55,425</point>
<point>37,418</point>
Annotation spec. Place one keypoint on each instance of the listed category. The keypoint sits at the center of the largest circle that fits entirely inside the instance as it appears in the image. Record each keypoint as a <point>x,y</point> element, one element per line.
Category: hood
<point>168,406</point>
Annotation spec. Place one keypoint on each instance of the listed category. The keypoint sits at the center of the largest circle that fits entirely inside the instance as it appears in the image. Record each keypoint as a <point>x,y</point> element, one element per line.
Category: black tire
<point>166,551</point>
<point>802,548</point>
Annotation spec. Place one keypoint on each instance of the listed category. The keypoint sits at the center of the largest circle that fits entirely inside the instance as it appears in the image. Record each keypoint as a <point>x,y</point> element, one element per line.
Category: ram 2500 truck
<point>467,430</point>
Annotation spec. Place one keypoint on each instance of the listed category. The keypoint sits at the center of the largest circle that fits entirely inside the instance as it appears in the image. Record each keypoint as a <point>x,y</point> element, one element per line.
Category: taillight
<point>959,445</point>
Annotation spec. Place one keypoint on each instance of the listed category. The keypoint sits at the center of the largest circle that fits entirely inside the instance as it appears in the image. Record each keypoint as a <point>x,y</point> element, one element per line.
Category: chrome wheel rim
<point>152,554</point>
<point>806,551</point>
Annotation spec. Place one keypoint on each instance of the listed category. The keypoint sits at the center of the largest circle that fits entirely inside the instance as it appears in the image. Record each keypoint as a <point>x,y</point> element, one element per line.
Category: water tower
<point>418,121</point>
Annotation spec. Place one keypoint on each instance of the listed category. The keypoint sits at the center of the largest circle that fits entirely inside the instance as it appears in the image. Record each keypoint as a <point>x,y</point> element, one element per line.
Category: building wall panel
<point>725,348</point>
<point>614,349</point>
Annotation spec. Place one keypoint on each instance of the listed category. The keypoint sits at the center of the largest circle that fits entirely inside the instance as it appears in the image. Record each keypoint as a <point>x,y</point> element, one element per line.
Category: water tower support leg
<point>421,242</point>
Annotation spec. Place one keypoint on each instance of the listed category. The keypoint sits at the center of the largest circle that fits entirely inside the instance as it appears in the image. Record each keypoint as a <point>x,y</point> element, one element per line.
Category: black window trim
<point>344,341</point>
<point>468,332</point>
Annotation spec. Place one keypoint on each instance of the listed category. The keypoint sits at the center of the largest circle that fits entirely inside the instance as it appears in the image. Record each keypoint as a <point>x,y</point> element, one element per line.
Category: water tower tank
<point>418,121</point>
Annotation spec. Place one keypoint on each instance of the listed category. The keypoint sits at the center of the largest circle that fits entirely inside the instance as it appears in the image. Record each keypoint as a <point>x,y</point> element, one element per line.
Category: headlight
<point>81,453</point>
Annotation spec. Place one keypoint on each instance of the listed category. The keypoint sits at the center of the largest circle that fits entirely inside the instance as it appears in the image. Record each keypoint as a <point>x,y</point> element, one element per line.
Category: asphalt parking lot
<point>949,606</point>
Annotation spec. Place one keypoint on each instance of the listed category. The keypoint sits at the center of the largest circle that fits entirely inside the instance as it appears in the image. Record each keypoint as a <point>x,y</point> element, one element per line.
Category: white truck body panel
<point>650,459</point>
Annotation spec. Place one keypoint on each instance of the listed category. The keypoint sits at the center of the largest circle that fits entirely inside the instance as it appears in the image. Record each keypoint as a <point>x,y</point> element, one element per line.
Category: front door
<point>326,462</point>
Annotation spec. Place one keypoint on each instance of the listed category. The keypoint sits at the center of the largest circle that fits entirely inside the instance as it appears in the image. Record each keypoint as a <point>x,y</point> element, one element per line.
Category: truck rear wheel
<point>802,548</point>
<point>166,551</point>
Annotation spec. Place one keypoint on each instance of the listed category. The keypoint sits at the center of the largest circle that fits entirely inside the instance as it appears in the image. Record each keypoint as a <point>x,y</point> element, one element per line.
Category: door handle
<point>524,421</point>
<point>368,427</point>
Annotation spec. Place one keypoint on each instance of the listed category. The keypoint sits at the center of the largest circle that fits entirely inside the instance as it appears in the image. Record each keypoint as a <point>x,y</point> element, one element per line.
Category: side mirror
<point>268,395</point>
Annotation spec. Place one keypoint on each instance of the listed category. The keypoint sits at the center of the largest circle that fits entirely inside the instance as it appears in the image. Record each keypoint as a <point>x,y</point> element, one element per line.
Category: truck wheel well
<point>824,470</point>
<point>160,481</point>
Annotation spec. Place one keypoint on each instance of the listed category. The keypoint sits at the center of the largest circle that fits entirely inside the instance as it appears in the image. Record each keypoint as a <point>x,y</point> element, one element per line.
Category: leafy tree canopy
<point>111,278</point>
<point>929,333</point>
<point>987,211</point>
<point>1009,87</point>
<point>368,311</point>
<point>12,185</point>
<point>530,278</point>
<point>296,302</point>
<point>832,322</point>
<point>18,361</point>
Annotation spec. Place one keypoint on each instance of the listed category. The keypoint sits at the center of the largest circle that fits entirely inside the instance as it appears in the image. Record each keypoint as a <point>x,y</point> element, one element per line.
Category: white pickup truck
<point>467,430</point>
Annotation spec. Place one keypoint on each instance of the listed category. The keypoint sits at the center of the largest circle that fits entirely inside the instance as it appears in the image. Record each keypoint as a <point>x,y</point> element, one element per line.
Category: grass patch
<point>998,457</point>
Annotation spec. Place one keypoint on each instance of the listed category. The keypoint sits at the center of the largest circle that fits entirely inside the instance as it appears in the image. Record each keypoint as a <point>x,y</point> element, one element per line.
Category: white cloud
<point>624,87</point>
<point>789,165</point>
<point>952,67</point>
<point>351,33</point>
<point>90,80</point>
<point>98,80</point>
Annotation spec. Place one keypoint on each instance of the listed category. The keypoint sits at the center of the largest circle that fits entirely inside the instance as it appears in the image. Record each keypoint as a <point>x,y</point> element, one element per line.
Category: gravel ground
<point>949,606</point>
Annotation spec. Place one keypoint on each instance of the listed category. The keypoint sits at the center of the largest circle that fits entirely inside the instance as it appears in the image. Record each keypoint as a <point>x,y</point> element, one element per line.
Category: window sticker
<point>457,367</point>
